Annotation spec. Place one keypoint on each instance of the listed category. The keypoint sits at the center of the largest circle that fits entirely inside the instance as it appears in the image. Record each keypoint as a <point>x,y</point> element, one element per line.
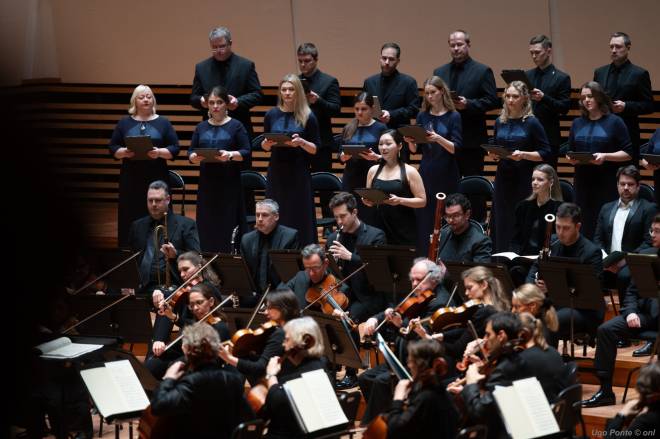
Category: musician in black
<point>462,240</point>
<point>199,398</point>
<point>269,235</point>
<point>570,243</point>
<point>641,415</point>
<point>637,314</point>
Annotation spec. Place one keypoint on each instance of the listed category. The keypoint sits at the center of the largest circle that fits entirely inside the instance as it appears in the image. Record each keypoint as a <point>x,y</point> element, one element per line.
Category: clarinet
<point>234,234</point>
<point>340,262</point>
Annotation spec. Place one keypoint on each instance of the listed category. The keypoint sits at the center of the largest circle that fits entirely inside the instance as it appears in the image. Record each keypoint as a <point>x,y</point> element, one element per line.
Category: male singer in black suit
<point>269,235</point>
<point>551,95</point>
<point>396,91</point>
<point>628,85</point>
<point>637,314</point>
<point>235,73</point>
<point>474,85</point>
<point>324,100</point>
<point>182,236</point>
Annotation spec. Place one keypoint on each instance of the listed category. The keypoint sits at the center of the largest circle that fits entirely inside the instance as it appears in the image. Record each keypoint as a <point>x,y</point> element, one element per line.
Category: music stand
<point>148,381</point>
<point>572,284</point>
<point>500,271</point>
<point>126,276</point>
<point>340,348</point>
<point>234,274</point>
<point>287,263</point>
<point>238,318</point>
<point>388,268</point>
<point>130,319</point>
<point>645,272</point>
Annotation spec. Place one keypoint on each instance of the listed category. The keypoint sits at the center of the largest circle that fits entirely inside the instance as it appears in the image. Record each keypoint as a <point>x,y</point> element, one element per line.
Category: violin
<point>185,287</point>
<point>448,317</point>
<point>326,292</point>
<point>415,305</point>
<point>247,341</point>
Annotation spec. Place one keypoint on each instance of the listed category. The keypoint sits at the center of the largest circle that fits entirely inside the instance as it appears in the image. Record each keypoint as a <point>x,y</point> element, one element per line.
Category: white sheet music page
<point>128,384</point>
<point>319,385</point>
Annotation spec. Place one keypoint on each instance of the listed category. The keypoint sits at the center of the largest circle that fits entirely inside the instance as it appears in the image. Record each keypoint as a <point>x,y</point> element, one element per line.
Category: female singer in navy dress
<point>653,147</point>
<point>396,215</point>
<point>520,132</point>
<point>438,168</point>
<point>603,134</point>
<point>362,130</point>
<point>136,175</point>
<point>220,205</point>
<point>289,178</point>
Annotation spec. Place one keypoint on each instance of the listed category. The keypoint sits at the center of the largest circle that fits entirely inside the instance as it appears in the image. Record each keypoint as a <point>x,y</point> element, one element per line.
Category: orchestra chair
<point>249,430</point>
<point>645,336</point>
<point>479,190</point>
<point>177,185</point>
<point>567,191</point>
<point>646,192</point>
<point>478,431</point>
<point>568,409</point>
<point>325,182</point>
<point>253,184</point>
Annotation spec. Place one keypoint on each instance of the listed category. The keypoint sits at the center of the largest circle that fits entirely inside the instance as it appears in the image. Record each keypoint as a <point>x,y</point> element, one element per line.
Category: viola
<point>377,428</point>
<point>415,305</point>
<point>449,317</point>
<point>247,341</point>
<point>326,292</point>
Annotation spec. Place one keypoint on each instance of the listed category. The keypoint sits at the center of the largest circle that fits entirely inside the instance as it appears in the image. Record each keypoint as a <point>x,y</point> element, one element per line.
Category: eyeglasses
<point>454,217</point>
<point>653,231</point>
<point>314,268</point>
<point>219,47</point>
<point>201,302</point>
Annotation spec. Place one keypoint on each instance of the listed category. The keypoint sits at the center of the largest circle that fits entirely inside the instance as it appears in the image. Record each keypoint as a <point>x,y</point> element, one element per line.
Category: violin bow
<point>194,275</point>
<point>473,330</point>
<point>121,299</point>
<point>88,284</point>
<point>261,302</point>
<point>404,299</point>
<point>334,287</point>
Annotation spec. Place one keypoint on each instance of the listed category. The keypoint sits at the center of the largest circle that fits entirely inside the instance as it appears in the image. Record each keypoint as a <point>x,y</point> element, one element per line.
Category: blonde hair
<point>481,274</point>
<point>555,186</point>
<point>521,88</point>
<point>530,293</point>
<point>438,83</point>
<point>304,327</point>
<point>301,110</point>
<point>534,327</point>
<point>132,109</point>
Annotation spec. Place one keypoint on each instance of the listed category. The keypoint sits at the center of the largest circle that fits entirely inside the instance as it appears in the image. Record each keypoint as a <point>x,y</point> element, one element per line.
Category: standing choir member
<point>289,178</point>
<point>136,175</point>
<point>604,135</point>
<point>520,132</point>
<point>362,130</point>
<point>438,168</point>
<point>653,147</point>
<point>396,215</point>
<point>220,205</point>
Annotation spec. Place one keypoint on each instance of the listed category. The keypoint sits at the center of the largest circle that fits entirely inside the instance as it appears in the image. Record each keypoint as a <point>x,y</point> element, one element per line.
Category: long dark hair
<point>286,302</point>
<point>351,127</point>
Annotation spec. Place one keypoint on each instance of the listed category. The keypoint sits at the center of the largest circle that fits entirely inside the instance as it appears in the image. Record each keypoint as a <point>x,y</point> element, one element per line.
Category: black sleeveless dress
<point>398,222</point>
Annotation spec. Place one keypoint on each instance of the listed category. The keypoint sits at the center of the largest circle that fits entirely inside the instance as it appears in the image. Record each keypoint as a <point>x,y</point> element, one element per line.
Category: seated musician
<point>199,398</point>
<point>642,415</point>
<point>570,243</point>
<point>421,408</point>
<point>637,314</point>
<point>201,301</point>
<point>269,235</point>
<point>461,240</point>
<point>529,298</point>
<point>303,352</point>
<point>281,306</point>
<point>181,237</point>
<point>501,332</point>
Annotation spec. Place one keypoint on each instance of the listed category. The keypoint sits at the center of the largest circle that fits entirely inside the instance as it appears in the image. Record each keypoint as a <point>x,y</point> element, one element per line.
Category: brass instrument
<point>437,224</point>
<point>162,229</point>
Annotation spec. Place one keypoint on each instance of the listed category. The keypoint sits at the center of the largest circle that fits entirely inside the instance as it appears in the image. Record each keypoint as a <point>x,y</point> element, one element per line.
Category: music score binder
<point>140,145</point>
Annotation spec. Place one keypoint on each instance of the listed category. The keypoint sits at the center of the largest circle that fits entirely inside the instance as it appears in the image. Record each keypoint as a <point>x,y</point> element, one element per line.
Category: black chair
<point>647,193</point>
<point>479,190</point>
<point>249,430</point>
<point>325,182</point>
<point>177,185</point>
<point>478,431</point>
<point>568,409</point>
<point>646,336</point>
<point>567,191</point>
<point>350,402</point>
<point>253,184</point>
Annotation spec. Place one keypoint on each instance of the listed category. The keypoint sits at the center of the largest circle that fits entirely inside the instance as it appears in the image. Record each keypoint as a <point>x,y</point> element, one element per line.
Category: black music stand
<point>572,284</point>
<point>238,318</point>
<point>126,276</point>
<point>500,271</point>
<point>130,319</point>
<point>340,348</point>
<point>388,268</point>
<point>148,381</point>
<point>645,272</point>
<point>287,263</point>
<point>234,274</point>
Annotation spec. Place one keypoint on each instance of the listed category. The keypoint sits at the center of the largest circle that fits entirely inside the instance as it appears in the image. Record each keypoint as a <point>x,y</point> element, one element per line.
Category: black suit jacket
<point>556,88</point>
<point>401,99</point>
<point>636,230</point>
<point>181,231</point>
<point>283,238</point>
<point>632,303</point>
<point>327,106</point>
<point>477,84</point>
<point>634,88</point>
<point>470,246</point>
<point>241,81</point>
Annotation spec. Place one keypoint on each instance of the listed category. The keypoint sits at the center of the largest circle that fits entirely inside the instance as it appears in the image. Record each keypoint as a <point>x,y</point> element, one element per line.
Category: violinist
<point>200,398</point>
<point>281,306</point>
<point>302,346</point>
<point>422,408</point>
<point>642,415</point>
<point>529,298</point>
<point>181,237</point>
<point>502,329</point>
<point>201,301</point>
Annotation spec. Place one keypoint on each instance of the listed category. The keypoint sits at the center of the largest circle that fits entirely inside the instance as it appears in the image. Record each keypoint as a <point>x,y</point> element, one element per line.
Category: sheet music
<point>308,414</point>
<point>102,390</point>
<point>64,348</point>
<point>129,385</point>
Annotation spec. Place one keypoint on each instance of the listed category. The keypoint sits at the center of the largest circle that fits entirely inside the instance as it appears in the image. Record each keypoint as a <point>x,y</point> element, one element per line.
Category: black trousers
<point>470,161</point>
<point>376,386</point>
<point>584,321</point>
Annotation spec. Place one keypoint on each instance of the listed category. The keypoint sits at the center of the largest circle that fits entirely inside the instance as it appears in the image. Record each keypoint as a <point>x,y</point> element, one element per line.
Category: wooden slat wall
<point>78,120</point>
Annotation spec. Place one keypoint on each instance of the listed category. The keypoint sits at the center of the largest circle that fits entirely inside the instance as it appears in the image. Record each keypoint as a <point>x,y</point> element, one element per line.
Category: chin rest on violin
<point>450,316</point>
<point>414,306</point>
<point>328,288</point>
<point>247,341</point>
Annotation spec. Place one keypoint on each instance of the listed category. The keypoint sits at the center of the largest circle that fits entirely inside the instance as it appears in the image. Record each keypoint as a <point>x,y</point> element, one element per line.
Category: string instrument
<point>451,316</point>
<point>184,289</point>
<point>437,225</point>
<point>246,341</point>
<point>415,305</point>
<point>154,427</point>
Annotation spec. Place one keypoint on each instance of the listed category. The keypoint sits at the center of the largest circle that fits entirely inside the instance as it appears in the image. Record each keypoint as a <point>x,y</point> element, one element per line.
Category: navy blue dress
<point>136,175</point>
<point>356,169</point>
<point>398,222</point>
<point>513,180</point>
<point>654,148</point>
<point>220,203</point>
<point>438,169</point>
<point>289,177</point>
<point>596,185</point>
